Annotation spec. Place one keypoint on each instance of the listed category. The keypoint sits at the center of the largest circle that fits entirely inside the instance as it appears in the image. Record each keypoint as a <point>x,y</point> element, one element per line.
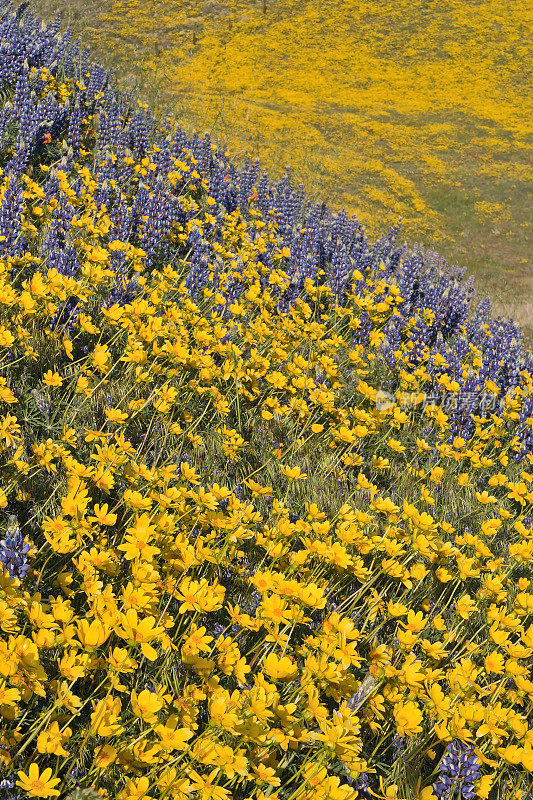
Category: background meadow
<point>414,109</point>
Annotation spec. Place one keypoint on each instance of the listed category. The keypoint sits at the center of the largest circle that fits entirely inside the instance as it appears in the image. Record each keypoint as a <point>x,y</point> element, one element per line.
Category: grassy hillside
<point>266,485</point>
<point>419,109</point>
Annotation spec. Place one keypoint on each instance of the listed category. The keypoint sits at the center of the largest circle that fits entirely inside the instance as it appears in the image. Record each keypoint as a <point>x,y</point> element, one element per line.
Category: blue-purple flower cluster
<point>7,788</point>
<point>14,551</point>
<point>459,768</point>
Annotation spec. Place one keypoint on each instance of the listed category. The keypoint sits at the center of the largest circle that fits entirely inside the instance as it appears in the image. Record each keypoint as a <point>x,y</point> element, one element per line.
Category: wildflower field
<point>266,485</point>
<point>418,108</point>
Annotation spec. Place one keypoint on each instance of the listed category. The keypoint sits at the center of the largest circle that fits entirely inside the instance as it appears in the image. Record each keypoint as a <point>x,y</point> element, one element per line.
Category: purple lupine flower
<point>13,550</point>
<point>398,745</point>
<point>459,767</point>
<point>6,785</point>
<point>74,127</point>
<point>218,630</point>
<point>362,785</point>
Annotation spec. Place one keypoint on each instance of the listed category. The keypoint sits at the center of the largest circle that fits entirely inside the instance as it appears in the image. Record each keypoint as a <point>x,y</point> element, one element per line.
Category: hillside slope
<point>419,109</point>
<point>266,488</point>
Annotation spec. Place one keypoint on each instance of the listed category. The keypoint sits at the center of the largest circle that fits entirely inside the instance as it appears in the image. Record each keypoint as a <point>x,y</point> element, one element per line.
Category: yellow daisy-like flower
<point>494,662</point>
<point>395,445</point>
<point>104,756</point>
<point>427,794</point>
<point>172,737</point>
<point>281,669</point>
<point>465,606</point>
<point>136,789</point>
<point>136,500</point>
<point>102,516</point>
<point>38,785</point>
<point>52,740</point>
<point>92,634</point>
<point>52,378</point>
<point>138,631</point>
<point>408,718</point>
<point>116,415</point>
<point>146,705</point>
<point>385,505</point>
<point>293,473</point>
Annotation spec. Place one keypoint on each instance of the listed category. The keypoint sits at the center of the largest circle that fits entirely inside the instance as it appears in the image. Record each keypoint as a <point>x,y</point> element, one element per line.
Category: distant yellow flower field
<point>388,109</point>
